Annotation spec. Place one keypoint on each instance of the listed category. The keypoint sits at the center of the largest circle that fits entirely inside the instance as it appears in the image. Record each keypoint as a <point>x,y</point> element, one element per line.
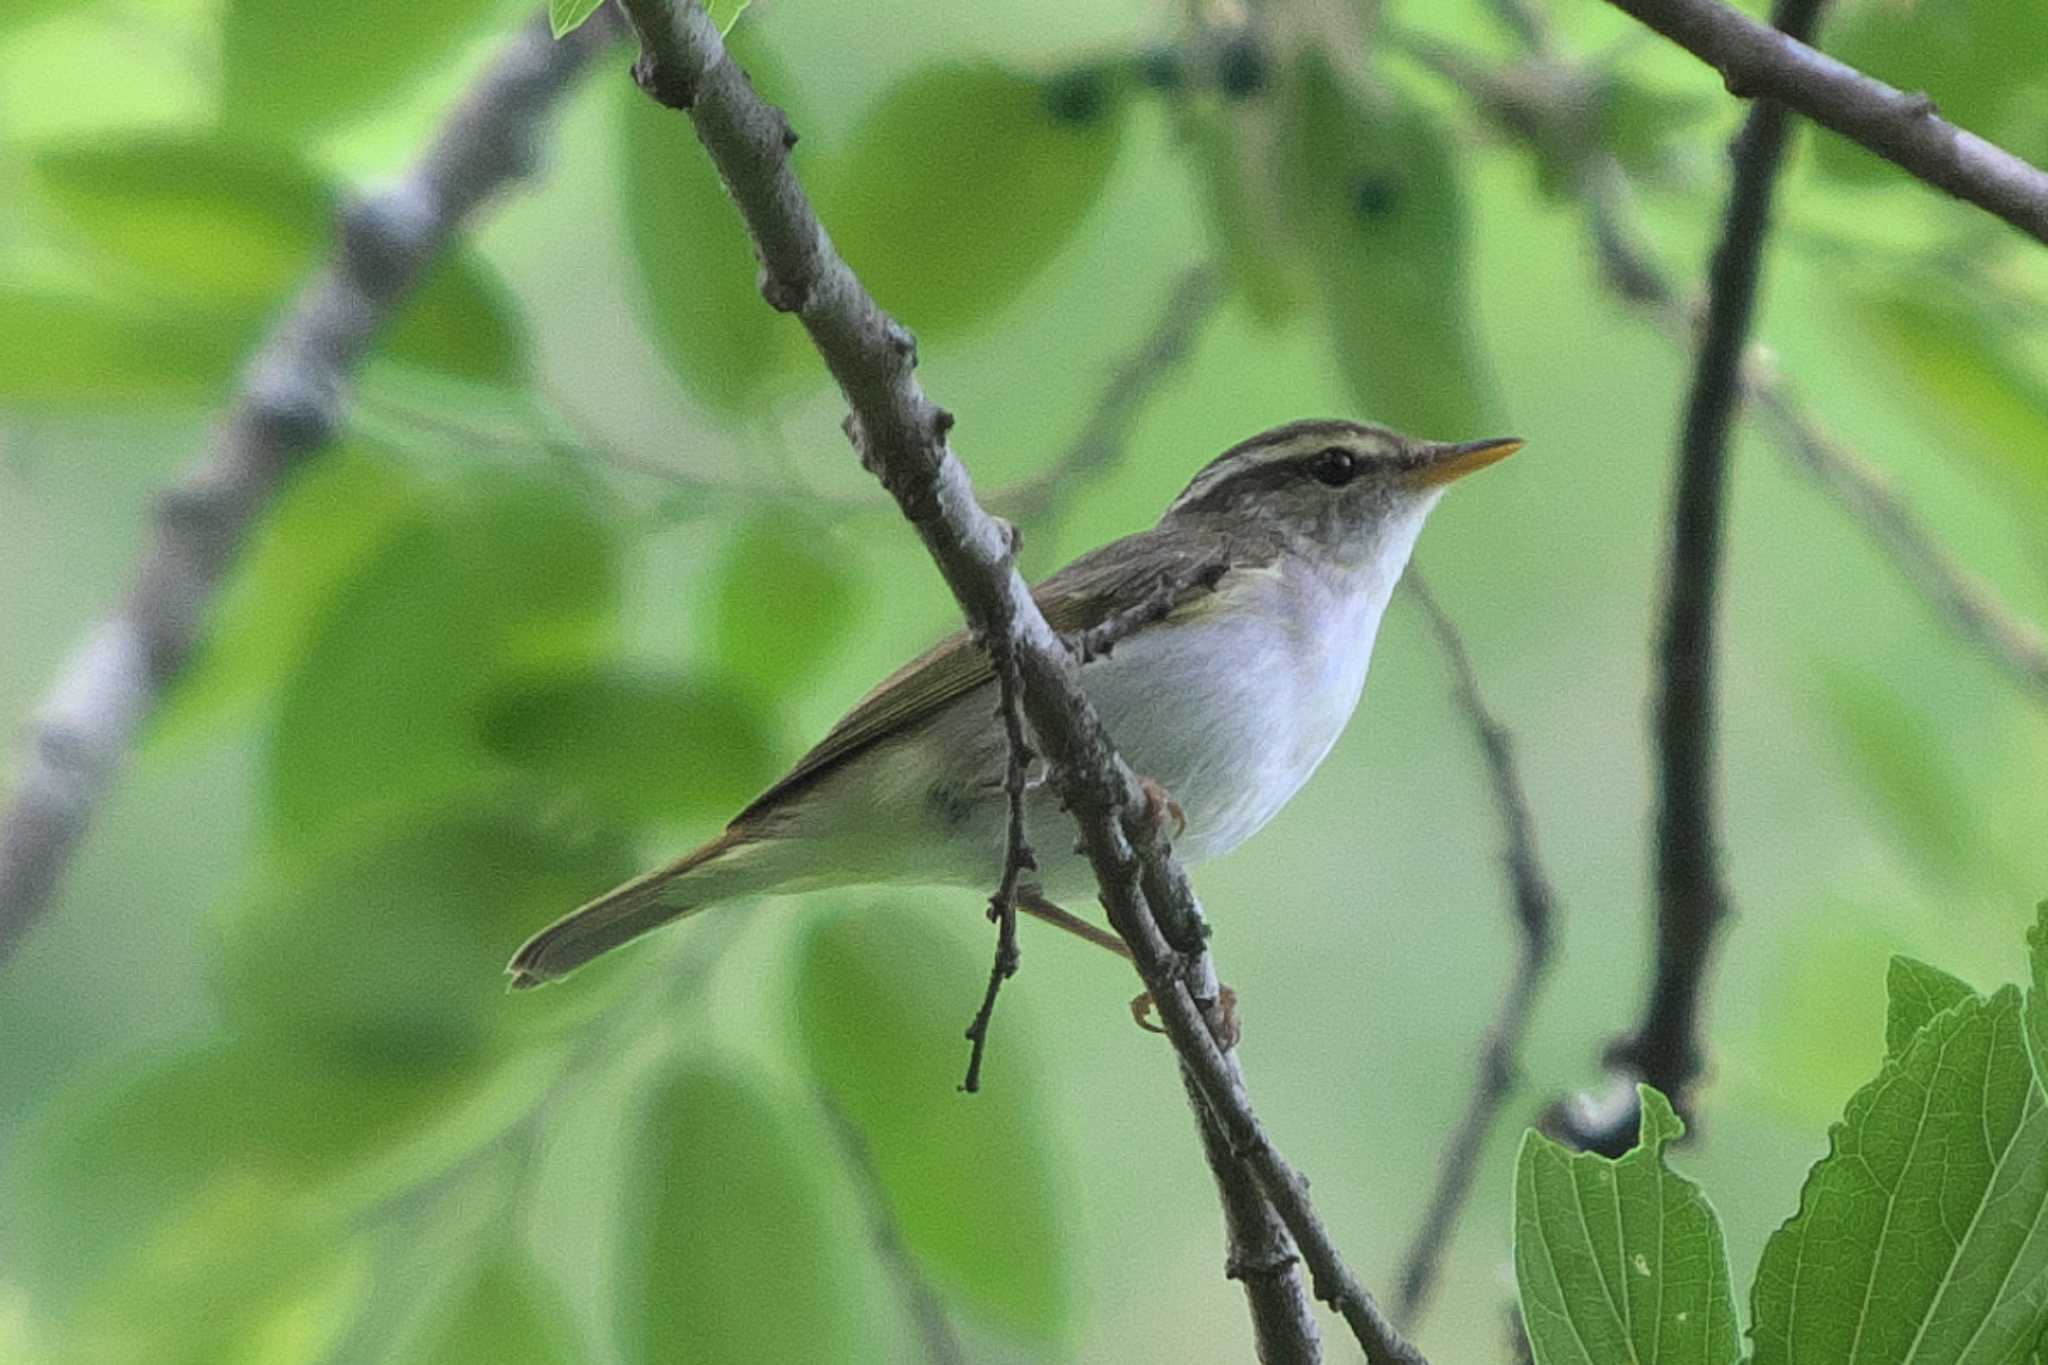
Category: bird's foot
<point>1222,1016</point>
<point>1161,807</point>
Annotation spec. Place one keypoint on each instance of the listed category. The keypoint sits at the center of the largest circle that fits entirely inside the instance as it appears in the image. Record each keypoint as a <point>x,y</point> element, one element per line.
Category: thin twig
<point>1107,431</point>
<point>900,435</point>
<point>1017,856</point>
<point>926,1309</point>
<point>291,402</point>
<point>1499,1053</point>
<point>1665,1048</point>
<point>1755,60</point>
<point>1099,641</point>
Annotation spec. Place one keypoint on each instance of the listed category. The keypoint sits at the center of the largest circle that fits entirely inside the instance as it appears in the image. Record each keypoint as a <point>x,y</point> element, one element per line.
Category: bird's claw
<point>1223,1021</point>
<point>1161,807</point>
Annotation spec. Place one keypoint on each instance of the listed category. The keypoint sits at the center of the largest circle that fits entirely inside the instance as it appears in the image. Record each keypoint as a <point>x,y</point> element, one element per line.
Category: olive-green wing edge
<point>1078,597</point>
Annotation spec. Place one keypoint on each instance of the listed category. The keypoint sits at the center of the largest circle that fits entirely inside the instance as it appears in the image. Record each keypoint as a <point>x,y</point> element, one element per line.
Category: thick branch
<point>1499,1054</point>
<point>901,436</point>
<point>1692,900</point>
<point>291,401</point>
<point>1902,128</point>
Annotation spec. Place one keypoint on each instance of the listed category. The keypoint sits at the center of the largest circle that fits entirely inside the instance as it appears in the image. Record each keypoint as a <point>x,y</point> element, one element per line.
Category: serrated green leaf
<point>696,263</point>
<point>74,350</point>
<point>1371,188</point>
<point>960,185</point>
<point>505,1312</point>
<point>883,999</point>
<point>566,16</point>
<point>326,520</point>
<point>394,949</point>
<point>1916,993</point>
<point>739,1244</point>
<point>1922,1236</point>
<point>291,68</point>
<point>215,232</point>
<point>636,744</point>
<point>1620,1260</point>
<point>498,577</point>
<point>2037,996</point>
<point>783,603</point>
<point>1963,366</point>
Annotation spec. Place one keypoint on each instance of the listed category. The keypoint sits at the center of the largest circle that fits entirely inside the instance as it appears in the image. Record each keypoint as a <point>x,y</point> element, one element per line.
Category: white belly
<point>1231,712</point>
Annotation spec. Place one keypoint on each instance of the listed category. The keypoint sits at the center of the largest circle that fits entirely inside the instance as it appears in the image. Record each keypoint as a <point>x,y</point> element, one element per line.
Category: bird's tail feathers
<point>719,870</point>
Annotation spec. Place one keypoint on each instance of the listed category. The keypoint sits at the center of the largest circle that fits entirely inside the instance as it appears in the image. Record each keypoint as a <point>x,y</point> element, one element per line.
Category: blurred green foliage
<point>590,562</point>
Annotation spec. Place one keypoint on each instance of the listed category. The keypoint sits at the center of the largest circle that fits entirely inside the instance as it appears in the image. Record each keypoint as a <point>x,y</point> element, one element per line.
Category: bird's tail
<point>719,870</point>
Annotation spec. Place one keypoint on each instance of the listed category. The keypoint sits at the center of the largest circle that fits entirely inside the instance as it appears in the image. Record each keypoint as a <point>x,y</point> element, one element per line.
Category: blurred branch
<point>926,1309</point>
<point>901,436</point>
<point>1902,128</point>
<point>1045,495</point>
<point>1692,898</point>
<point>291,401</point>
<point>1017,856</point>
<point>1499,1054</point>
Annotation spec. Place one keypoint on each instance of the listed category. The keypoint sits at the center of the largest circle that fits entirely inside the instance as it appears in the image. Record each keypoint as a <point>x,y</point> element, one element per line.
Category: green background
<point>347,1143</point>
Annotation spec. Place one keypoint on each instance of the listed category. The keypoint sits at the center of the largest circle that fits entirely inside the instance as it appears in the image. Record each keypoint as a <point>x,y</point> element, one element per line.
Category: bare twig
<point>1017,856</point>
<point>1099,641</point>
<point>901,437</point>
<point>1108,428</point>
<point>1499,1063</point>
<point>1692,899</point>
<point>291,402</point>
<point>1755,60</point>
<point>927,1311</point>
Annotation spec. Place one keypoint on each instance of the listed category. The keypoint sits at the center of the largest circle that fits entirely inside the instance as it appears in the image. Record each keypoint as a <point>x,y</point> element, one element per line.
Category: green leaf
<point>636,744</point>
<point>883,998</point>
<point>218,232</point>
<point>739,1245</point>
<point>566,16</point>
<point>1916,993</point>
<point>72,350</point>
<point>223,1174</point>
<point>507,1312</point>
<point>2037,996</point>
<point>1977,59</point>
<point>1900,761</point>
<point>1620,1259</point>
<point>496,578</point>
<point>696,262</point>
<point>962,183</point>
<point>1923,1235</point>
<point>784,602</point>
<point>291,68</point>
<point>393,950</point>
<point>1370,185</point>
<point>323,524</point>
<point>1986,402</point>
<point>726,13</point>
<point>1245,222</point>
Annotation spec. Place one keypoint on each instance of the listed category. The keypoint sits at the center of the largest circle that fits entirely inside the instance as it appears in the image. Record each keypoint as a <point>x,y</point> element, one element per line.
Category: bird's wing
<point>1083,595</point>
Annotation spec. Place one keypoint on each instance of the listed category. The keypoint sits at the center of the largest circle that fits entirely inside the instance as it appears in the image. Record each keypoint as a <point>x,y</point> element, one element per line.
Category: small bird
<point>1260,591</point>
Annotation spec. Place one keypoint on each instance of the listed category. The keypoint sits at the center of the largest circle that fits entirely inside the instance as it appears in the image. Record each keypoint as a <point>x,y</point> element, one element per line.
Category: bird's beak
<point>1443,463</point>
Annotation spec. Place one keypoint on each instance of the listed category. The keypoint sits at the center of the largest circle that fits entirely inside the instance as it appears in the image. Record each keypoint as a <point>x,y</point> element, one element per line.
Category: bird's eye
<point>1334,467</point>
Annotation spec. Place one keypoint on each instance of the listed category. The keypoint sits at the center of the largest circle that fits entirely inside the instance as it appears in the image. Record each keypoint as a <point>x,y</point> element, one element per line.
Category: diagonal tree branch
<point>290,404</point>
<point>1499,1056</point>
<point>1755,60</point>
<point>900,435</point>
<point>1692,899</point>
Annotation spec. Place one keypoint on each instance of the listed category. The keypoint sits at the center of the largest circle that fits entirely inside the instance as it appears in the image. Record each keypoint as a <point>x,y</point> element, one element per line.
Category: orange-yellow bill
<point>1447,462</point>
